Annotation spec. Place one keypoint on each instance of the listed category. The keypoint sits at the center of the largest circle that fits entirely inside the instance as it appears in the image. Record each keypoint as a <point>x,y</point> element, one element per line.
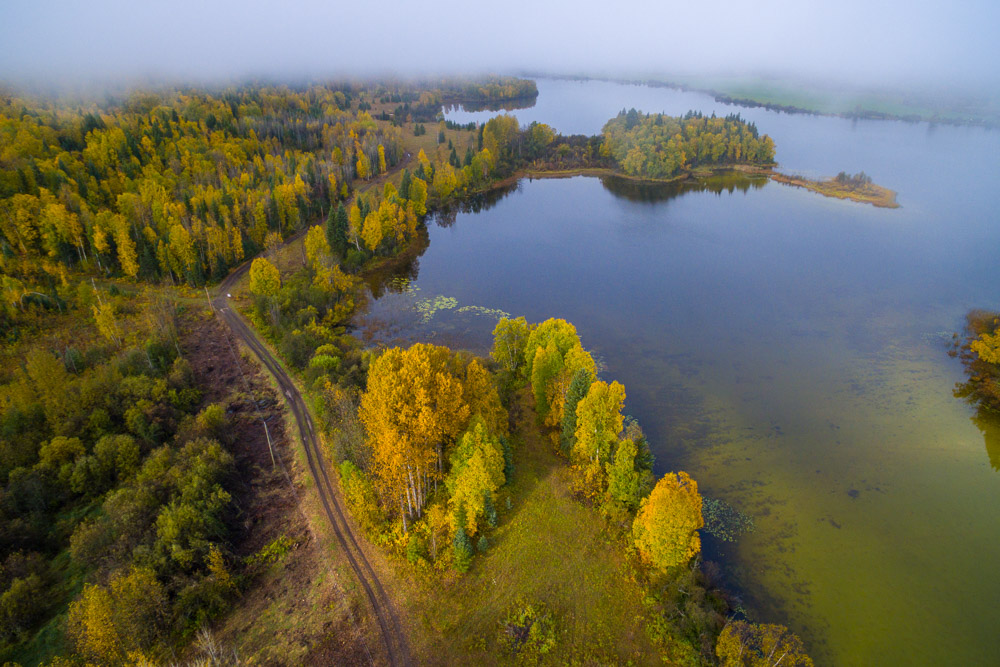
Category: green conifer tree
<point>578,387</point>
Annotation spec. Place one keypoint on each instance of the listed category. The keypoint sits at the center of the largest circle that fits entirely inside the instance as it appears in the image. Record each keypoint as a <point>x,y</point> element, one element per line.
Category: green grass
<point>548,548</point>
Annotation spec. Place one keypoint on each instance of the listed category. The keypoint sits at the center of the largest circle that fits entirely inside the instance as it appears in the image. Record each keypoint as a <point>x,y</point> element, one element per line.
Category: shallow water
<point>788,350</point>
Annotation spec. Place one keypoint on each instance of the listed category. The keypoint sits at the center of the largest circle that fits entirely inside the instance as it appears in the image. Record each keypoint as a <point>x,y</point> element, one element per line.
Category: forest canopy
<point>661,146</point>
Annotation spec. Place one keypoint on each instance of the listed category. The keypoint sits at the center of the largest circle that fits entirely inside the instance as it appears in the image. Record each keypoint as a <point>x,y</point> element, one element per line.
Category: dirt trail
<point>393,638</point>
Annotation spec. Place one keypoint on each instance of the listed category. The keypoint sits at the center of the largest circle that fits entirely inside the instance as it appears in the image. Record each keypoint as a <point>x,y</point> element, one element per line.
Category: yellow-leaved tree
<point>742,644</point>
<point>477,466</point>
<point>265,280</point>
<point>415,406</point>
<point>666,527</point>
<point>318,253</point>
<point>91,627</point>
<point>987,346</point>
<point>510,336</point>
<point>599,422</point>
<point>418,196</point>
<point>552,356</point>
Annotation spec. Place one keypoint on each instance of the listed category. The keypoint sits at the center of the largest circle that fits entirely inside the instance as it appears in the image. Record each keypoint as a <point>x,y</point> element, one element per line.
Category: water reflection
<point>650,192</point>
<point>396,273</point>
<point>445,216</point>
<point>499,105</point>
<point>989,426</point>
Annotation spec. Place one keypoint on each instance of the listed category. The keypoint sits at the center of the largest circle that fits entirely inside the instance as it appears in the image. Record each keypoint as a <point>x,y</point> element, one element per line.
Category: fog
<point>901,42</point>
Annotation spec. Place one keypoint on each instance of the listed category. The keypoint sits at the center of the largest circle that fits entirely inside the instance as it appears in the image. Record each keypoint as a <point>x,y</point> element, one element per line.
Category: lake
<point>787,350</point>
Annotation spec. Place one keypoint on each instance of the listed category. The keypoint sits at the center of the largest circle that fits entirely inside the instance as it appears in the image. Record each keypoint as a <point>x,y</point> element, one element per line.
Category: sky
<point>856,41</point>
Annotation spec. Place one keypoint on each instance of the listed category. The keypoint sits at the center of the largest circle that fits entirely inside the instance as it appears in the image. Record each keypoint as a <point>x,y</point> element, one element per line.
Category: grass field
<point>548,548</point>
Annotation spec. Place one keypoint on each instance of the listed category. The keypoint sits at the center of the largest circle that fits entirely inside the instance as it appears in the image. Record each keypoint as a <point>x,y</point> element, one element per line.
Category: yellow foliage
<point>91,628</point>
<point>318,253</point>
<point>477,471</point>
<point>598,422</point>
<point>104,316</point>
<point>666,527</point>
<point>742,644</point>
<point>987,347</point>
<point>417,403</point>
<point>446,180</point>
<point>265,280</point>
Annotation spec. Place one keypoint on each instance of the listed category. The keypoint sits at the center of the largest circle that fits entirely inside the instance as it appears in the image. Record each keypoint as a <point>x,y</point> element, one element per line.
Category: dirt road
<point>393,638</point>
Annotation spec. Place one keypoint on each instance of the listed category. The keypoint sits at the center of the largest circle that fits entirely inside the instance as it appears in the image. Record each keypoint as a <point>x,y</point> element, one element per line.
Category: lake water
<point>787,350</point>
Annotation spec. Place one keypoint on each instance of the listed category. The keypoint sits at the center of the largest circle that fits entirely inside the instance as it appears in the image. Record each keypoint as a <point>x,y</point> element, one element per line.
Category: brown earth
<point>291,612</point>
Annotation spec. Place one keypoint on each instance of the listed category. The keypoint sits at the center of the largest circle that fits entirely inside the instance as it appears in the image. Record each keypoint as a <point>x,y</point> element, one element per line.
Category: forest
<point>119,480</point>
<point>660,146</point>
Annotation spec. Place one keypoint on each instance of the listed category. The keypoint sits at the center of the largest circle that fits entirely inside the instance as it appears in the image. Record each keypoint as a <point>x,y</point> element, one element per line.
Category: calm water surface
<point>788,350</point>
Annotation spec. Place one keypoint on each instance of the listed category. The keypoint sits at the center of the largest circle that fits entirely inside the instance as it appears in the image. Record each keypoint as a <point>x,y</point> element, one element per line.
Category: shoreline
<point>876,195</point>
<point>750,103</point>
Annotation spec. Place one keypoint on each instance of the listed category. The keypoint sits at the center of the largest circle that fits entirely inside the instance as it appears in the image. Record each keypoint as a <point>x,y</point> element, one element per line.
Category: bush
<point>213,421</point>
<point>21,606</point>
<point>415,549</point>
<point>463,550</point>
<point>528,630</point>
<point>361,497</point>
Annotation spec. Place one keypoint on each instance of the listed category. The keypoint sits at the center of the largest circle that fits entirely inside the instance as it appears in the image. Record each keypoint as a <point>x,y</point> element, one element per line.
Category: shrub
<point>415,548</point>
<point>463,550</point>
<point>528,630</point>
<point>21,605</point>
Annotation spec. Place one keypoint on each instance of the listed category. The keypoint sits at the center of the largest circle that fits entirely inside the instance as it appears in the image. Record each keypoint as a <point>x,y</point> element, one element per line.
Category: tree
<point>598,422</point>
<point>413,407</point>
<point>418,195</point>
<point>578,386</point>
<point>425,164</point>
<point>91,627</point>
<point>21,605</point>
<point>363,166</point>
<point>666,527</point>
<point>560,331</point>
<point>318,253</point>
<point>742,644</point>
<point>381,159</point>
<point>404,184</point>
<point>477,471</point>
<point>107,324</point>
<point>501,135</point>
<point>265,280</point>
<point>445,181</point>
<point>462,546</point>
<point>987,346</point>
<point>510,336</point>
<point>139,602</point>
<point>627,482</point>
<point>336,229</point>
<point>355,224</point>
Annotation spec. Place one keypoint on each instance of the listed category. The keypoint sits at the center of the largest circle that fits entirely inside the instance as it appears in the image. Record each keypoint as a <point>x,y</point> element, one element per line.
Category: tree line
<point>176,185</point>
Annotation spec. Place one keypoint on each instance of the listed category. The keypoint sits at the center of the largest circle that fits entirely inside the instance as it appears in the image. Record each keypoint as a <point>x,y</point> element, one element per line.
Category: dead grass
<point>872,194</point>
